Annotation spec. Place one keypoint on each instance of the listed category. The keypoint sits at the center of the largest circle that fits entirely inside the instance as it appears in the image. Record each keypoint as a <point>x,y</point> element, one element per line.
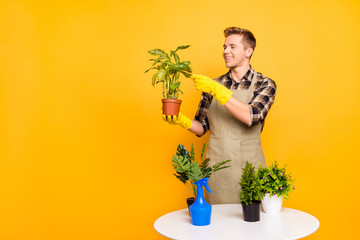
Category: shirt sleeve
<point>201,114</point>
<point>262,101</point>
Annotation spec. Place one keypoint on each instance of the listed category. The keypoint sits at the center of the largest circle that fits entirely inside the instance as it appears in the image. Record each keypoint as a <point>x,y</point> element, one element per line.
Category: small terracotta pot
<point>171,107</point>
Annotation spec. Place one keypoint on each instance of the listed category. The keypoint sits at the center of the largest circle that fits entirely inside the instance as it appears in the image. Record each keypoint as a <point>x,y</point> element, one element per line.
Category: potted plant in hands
<point>168,69</point>
<point>250,193</point>
<point>275,184</point>
<point>189,171</point>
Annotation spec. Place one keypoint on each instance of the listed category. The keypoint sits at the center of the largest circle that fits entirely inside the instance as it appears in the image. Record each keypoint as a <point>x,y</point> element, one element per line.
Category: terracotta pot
<point>171,107</point>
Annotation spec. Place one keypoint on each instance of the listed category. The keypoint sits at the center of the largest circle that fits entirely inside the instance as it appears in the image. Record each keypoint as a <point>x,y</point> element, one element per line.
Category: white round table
<point>227,223</point>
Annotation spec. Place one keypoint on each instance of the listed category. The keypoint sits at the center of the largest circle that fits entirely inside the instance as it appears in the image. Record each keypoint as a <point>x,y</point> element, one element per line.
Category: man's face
<point>235,53</point>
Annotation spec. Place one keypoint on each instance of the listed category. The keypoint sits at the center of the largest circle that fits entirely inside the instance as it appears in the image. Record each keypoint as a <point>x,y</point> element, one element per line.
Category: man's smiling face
<point>236,52</point>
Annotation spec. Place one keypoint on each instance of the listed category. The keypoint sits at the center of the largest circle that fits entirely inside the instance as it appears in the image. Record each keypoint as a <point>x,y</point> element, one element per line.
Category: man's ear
<point>249,51</point>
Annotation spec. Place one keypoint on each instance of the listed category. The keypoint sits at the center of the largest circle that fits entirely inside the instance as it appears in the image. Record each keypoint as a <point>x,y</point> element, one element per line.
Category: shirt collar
<point>248,75</point>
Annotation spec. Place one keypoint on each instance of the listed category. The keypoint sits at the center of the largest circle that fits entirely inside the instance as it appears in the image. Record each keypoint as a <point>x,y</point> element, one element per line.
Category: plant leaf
<point>195,172</point>
<point>192,153</point>
<point>207,172</point>
<point>182,177</point>
<point>205,164</point>
<point>186,74</point>
<point>159,52</point>
<point>150,69</point>
<point>175,86</point>
<point>179,67</point>
<point>182,47</point>
<point>180,164</point>
<point>220,166</point>
<point>176,57</point>
<point>217,169</point>
<point>203,151</point>
<point>181,150</point>
<point>154,79</point>
<point>161,73</point>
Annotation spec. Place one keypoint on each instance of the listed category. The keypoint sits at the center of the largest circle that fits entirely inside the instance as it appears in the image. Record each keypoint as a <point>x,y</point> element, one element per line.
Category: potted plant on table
<point>275,184</point>
<point>189,171</point>
<point>250,193</point>
<point>168,69</point>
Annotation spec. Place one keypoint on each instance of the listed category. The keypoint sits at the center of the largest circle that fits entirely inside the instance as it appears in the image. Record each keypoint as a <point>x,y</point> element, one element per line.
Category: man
<point>233,108</point>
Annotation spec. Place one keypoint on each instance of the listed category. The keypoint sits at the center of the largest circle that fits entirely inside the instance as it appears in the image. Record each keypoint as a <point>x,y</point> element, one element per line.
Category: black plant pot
<point>251,212</point>
<point>190,202</point>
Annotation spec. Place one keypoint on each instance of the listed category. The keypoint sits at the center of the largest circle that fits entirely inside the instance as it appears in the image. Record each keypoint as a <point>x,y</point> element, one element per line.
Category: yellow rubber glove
<point>181,120</point>
<point>218,91</point>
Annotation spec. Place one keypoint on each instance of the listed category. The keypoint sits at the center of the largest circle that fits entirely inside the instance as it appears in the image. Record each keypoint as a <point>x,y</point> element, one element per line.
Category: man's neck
<point>238,73</point>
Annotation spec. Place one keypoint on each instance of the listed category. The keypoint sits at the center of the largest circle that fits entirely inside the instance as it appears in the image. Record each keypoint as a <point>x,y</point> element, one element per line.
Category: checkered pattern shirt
<point>264,96</point>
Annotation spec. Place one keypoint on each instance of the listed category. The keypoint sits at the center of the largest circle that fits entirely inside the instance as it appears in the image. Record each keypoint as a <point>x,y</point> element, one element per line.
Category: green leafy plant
<point>275,181</point>
<point>250,185</point>
<point>189,171</point>
<point>168,69</point>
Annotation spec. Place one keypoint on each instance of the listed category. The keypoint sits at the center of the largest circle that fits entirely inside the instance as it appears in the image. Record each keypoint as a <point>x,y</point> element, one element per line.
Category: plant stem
<point>189,187</point>
<point>168,88</point>
<point>163,90</point>
<point>194,189</point>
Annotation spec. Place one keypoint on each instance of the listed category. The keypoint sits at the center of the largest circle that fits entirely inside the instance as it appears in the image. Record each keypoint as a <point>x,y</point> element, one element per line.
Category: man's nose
<point>226,50</point>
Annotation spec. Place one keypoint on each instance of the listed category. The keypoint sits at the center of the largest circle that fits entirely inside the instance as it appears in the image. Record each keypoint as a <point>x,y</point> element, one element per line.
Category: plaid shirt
<point>264,96</point>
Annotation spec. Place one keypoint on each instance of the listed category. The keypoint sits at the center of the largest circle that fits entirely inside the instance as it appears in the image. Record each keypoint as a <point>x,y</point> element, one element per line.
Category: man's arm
<point>196,128</point>
<point>239,109</point>
<point>251,113</point>
<point>258,107</point>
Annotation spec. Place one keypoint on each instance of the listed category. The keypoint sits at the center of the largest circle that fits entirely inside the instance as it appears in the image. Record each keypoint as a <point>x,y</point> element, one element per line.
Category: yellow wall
<point>84,152</point>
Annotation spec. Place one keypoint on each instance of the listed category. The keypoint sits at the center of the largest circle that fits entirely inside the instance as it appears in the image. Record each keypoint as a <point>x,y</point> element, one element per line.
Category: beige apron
<point>234,140</point>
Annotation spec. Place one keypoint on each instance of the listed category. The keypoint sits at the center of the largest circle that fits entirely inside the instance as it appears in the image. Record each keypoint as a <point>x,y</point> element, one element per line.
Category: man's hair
<point>248,37</point>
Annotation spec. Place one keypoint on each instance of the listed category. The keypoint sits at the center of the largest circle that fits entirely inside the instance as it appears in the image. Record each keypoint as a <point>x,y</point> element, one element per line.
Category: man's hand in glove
<point>218,91</point>
<point>181,120</point>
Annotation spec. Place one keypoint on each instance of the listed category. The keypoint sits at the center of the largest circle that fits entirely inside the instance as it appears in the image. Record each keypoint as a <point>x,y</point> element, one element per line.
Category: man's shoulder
<point>263,80</point>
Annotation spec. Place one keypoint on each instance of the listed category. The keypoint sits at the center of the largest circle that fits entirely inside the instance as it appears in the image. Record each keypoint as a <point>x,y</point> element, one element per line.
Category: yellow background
<point>84,152</point>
